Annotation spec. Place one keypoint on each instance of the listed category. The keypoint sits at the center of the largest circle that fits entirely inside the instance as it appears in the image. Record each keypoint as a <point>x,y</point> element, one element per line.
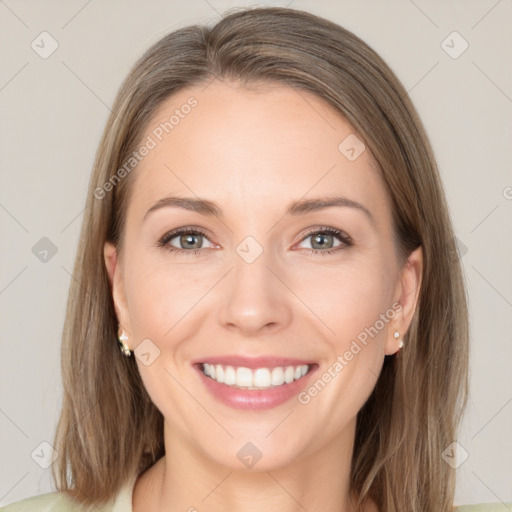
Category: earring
<point>122,337</point>
<point>396,336</point>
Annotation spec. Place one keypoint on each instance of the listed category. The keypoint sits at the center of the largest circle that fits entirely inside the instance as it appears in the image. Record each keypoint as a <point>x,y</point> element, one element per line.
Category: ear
<point>406,294</point>
<point>115,274</point>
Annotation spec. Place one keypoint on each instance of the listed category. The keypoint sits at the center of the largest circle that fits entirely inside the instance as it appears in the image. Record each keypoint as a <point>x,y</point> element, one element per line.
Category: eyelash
<point>342,237</point>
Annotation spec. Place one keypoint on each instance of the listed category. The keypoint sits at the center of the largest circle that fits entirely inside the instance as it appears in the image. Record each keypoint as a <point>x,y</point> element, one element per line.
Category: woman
<point>267,241</point>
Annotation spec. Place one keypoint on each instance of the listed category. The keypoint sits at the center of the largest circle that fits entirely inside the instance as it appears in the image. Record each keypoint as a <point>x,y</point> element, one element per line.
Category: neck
<point>187,480</point>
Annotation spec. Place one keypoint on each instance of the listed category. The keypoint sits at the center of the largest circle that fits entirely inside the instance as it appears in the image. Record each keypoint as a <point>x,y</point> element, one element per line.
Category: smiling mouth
<point>257,379</point>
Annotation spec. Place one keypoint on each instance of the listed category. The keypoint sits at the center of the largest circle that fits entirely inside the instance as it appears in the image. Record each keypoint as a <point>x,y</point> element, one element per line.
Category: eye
<point>323,241</point>
<point>184,240</point>
<point>190,241</point>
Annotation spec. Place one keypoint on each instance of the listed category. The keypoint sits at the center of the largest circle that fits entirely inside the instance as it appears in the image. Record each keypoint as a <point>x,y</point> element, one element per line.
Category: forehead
<point>253,148</point>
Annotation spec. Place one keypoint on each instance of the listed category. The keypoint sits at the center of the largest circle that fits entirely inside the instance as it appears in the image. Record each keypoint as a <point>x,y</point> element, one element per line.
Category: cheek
<point>161,296</point>
<point>162,305</point>
<point>348,300</point>
<point>355,310</point>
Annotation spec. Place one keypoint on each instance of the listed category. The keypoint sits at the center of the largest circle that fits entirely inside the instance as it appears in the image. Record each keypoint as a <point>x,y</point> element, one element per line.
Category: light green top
<point>59,502</point>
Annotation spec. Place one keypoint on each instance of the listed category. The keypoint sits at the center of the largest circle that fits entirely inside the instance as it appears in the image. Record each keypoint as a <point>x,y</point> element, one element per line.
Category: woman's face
<point>262,277</point>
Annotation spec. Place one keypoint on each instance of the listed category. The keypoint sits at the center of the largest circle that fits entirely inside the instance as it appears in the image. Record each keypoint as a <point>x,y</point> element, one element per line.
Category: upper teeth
<point>262,378</point>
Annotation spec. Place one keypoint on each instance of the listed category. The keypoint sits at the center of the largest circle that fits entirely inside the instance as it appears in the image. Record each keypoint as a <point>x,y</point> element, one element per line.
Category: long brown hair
<point>109,430</point>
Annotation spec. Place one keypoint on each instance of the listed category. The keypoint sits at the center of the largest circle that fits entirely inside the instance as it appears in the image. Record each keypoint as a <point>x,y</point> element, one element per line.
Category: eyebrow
<point>301,207</point>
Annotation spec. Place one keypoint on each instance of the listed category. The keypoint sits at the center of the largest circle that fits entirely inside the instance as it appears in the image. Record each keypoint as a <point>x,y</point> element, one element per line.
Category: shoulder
<point>485,507</point>
<point>51,502</point>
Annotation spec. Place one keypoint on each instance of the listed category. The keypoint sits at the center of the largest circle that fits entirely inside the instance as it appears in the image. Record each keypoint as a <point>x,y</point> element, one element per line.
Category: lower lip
<point>253,399</point>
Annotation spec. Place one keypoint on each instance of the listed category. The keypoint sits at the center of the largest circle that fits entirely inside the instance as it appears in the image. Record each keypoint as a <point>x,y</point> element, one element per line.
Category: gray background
<point>53,113</point>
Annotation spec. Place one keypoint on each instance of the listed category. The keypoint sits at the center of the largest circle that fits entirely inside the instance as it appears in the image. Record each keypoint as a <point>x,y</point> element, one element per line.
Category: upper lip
<point>253,362</point>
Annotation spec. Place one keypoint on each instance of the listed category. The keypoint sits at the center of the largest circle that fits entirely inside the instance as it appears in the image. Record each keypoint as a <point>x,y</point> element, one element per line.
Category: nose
<point>254,298</point>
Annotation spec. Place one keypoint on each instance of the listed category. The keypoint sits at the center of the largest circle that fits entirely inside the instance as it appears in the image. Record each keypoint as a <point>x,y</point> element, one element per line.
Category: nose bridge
<point>254,297</point>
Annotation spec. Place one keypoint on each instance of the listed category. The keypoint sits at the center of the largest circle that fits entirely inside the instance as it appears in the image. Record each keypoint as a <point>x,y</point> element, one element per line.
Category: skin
<point>253,151</point>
